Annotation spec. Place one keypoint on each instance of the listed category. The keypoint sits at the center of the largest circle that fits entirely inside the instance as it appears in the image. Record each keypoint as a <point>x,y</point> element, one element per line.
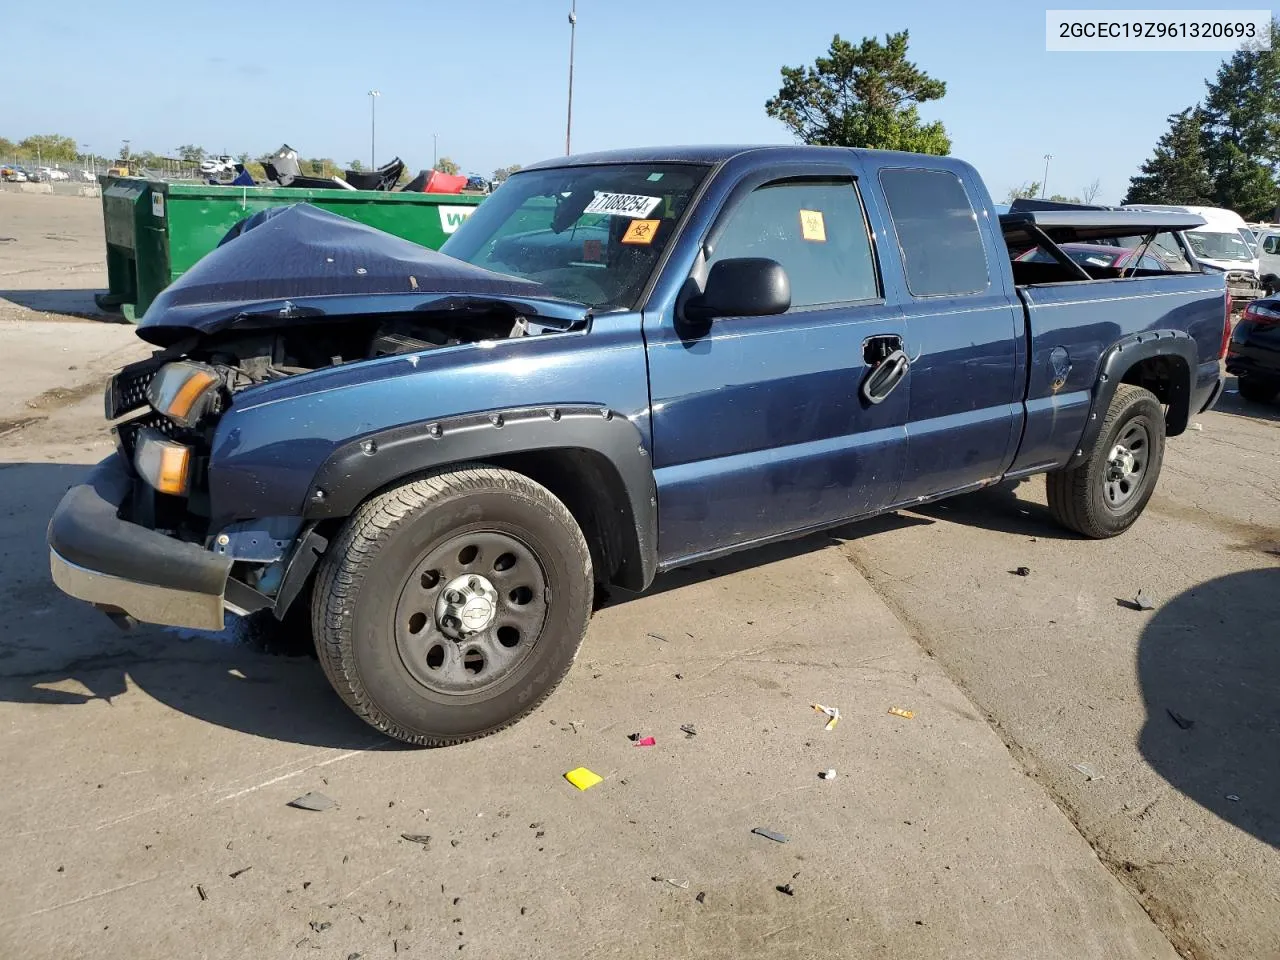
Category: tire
<point>1089,498</point>
<point>411,565</point>
<point>1258,389</point>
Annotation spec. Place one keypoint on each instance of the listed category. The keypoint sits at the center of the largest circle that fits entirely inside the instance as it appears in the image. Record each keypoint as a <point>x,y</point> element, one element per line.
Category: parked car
<point>1098,255</point>
<point>1253,354</point>
<point>1269,259</point>
<point>53,174</point>
<point>1222,242</point>
<point>13,174</point>
<point>621,364</point>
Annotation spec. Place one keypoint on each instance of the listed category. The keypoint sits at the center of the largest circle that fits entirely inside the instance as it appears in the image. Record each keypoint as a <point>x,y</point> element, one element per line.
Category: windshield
<point>1218,246</point>
<point>591,234</point>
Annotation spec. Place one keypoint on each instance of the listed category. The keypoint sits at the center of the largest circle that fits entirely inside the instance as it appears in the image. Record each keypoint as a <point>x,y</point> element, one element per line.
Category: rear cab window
<point>937,229</point>
<point>816,229</point>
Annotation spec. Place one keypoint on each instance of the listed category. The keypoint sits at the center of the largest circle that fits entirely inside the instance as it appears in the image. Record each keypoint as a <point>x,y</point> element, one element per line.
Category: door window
<point>1271,244</point>
<point>938,233</point>
<point>815,229</point>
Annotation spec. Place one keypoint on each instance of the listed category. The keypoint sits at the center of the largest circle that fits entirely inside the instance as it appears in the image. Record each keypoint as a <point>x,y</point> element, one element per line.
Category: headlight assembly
<point>163,463</point>
<point>183,391</point>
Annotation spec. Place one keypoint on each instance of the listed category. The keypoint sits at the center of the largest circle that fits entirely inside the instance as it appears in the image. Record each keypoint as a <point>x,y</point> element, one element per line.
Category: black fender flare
<point>368,464</point>
<point>1120,358</point>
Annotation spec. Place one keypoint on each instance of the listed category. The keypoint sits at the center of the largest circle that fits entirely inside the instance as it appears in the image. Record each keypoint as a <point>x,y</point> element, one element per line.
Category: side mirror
<point>742,287</point>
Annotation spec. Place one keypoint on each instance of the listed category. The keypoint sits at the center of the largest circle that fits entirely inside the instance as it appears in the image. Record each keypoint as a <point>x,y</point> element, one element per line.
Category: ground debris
<point>1180,720</point>
<point>904,714</point>
<point>200,890</point>
<point>1021,571</point>
<point>236,873</point>
<point>312,801</point>
<point>320,926</point>
<point>770,834</point>
<point>828,774</point>
<point>682,884</point>
<point>1088,770</point>
<point>1140,602</point>
<point>421,838</point>
<point>689,730</point>
<point>786,888</point>
<point>701,897</point>
<point>832,712</point>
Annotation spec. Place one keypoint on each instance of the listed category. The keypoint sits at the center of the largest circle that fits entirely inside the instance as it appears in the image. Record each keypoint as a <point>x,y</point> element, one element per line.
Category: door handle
<point>885,376</point>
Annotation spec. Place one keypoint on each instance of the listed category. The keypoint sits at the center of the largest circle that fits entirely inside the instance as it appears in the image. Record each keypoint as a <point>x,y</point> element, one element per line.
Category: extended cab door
<point>759,426</point>
<point>964,328</point>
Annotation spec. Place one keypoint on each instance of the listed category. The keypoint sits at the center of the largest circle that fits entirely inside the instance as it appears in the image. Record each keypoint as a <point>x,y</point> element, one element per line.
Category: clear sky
<point>490,77</point>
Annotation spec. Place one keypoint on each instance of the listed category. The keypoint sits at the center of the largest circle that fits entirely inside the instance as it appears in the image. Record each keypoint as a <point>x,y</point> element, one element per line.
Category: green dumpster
<point>157,230</point>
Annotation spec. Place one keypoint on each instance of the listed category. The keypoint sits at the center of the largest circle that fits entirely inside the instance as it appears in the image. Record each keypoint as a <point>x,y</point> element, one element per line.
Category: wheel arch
<point>1162,361</point>
<point>592,458</point>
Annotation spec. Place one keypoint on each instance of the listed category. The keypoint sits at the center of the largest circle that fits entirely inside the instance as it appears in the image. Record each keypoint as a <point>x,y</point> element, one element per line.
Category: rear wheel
<point>1104,495</point>
<point>1258,389</point>
<point>452,606</point>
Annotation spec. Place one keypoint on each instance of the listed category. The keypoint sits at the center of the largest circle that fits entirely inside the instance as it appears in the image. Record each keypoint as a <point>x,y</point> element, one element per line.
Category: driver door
<point>760,426</point>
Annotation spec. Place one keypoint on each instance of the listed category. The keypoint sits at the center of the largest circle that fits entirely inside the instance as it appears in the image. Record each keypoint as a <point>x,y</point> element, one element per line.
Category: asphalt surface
<point>147,774</point>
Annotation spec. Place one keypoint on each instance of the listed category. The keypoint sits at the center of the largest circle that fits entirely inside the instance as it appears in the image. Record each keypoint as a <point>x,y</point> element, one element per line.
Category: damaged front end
<point>302,292</point>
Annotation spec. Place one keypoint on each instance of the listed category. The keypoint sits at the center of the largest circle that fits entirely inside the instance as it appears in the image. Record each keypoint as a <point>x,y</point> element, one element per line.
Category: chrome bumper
<point>124,568</point>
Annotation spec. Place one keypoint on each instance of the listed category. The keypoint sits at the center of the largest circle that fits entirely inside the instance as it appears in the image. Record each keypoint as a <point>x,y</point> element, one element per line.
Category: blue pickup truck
<point>622,363</point>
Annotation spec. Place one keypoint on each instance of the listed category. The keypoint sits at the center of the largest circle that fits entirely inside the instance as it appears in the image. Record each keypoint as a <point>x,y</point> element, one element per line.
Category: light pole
<point>435,150</point>
<point>573,29</point>
<point>373,128</point>
<point>1044,184</point>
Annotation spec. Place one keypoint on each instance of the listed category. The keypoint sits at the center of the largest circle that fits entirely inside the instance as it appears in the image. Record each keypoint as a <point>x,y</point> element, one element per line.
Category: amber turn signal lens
<point>161,462</point>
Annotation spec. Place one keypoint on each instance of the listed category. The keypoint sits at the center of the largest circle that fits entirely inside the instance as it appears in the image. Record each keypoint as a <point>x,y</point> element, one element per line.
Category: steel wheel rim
<point>1126,466</point>
<point>451,658</point>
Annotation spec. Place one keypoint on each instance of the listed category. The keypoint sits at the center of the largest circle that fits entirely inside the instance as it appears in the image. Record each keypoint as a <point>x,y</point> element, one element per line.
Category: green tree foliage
<point>191,152</point>
<point>1241,130</point>
<point>48,147</point>
<point>1023,191</point>
<point>1177,171</point>
<point>861,96</point>
<point>445,165</point>
<point>503,172</point>
<point>355,165</point>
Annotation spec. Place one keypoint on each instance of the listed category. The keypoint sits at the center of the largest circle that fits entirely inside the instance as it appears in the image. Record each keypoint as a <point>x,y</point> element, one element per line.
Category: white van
<point>1224,242</point>
<point>1269,258</point>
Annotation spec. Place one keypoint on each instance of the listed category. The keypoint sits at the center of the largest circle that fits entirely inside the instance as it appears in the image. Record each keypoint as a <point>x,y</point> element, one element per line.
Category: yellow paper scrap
<point>904,714</point>
<point>583,779</point>
<point>832,712</point>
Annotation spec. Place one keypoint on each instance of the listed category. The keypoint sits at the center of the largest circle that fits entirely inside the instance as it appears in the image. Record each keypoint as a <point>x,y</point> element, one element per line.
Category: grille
<point>128,389</point>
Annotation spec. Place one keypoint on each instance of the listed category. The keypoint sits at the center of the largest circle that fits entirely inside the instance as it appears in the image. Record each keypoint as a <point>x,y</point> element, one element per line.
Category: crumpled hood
<point>293,264</point>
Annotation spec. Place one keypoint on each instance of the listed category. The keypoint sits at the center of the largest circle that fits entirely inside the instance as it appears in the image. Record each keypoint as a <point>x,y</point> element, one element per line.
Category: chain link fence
<point>87,169</point>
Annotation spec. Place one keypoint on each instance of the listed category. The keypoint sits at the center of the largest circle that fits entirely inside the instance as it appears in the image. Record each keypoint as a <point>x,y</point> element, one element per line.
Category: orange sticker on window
<point>812,226</point>
<point>641,231</point>
<point>592,251</point>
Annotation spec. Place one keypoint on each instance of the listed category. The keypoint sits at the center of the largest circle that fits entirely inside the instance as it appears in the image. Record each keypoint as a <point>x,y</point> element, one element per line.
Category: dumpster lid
<point>291,265</point>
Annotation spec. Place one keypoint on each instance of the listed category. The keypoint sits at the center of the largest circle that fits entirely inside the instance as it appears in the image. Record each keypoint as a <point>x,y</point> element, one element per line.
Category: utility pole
<point>1044,184</point>
<point>373,128</point>
<point>435,150</point>
<point>573,29</point>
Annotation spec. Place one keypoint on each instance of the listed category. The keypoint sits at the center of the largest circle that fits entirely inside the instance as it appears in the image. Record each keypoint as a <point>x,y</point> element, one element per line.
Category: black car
<point>1254,352</point>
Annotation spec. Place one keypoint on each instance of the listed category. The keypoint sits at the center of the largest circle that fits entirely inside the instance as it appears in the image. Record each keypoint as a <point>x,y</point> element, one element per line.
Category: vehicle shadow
<point>1232,403</point>
<point>58,651</point>
<point>1209,669</point>
<point>72,302</point>
<point>999,508</point>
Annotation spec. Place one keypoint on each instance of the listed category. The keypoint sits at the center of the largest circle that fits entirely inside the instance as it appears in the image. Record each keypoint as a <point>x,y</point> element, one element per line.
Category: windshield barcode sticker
<point>623,205</point>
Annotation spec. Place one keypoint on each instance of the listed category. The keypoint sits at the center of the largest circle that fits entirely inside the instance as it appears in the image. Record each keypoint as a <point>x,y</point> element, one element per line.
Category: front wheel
<point>452,606</point>
<point>1104,495</point>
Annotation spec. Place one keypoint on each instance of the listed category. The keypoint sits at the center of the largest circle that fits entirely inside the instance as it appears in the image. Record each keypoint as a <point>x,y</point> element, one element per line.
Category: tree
<point>861,96</point>
<point>1024,192</point>
<point>445,165</point>
<point>191,153</point>
<point>1241,135</point>
<point>1063,198</point>
<point>503,172</point>
<point>1091,190</point>
<point>355,165</point>
<point>49,147</point>
<point>1177,171</point>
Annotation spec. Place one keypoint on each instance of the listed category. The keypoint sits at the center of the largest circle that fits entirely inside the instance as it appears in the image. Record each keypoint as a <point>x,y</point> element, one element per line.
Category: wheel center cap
<point>1121,463</point>
<point>468,605</point>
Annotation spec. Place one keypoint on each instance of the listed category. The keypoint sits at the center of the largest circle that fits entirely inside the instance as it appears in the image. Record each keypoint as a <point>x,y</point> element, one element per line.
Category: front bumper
<point>122,567</point>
